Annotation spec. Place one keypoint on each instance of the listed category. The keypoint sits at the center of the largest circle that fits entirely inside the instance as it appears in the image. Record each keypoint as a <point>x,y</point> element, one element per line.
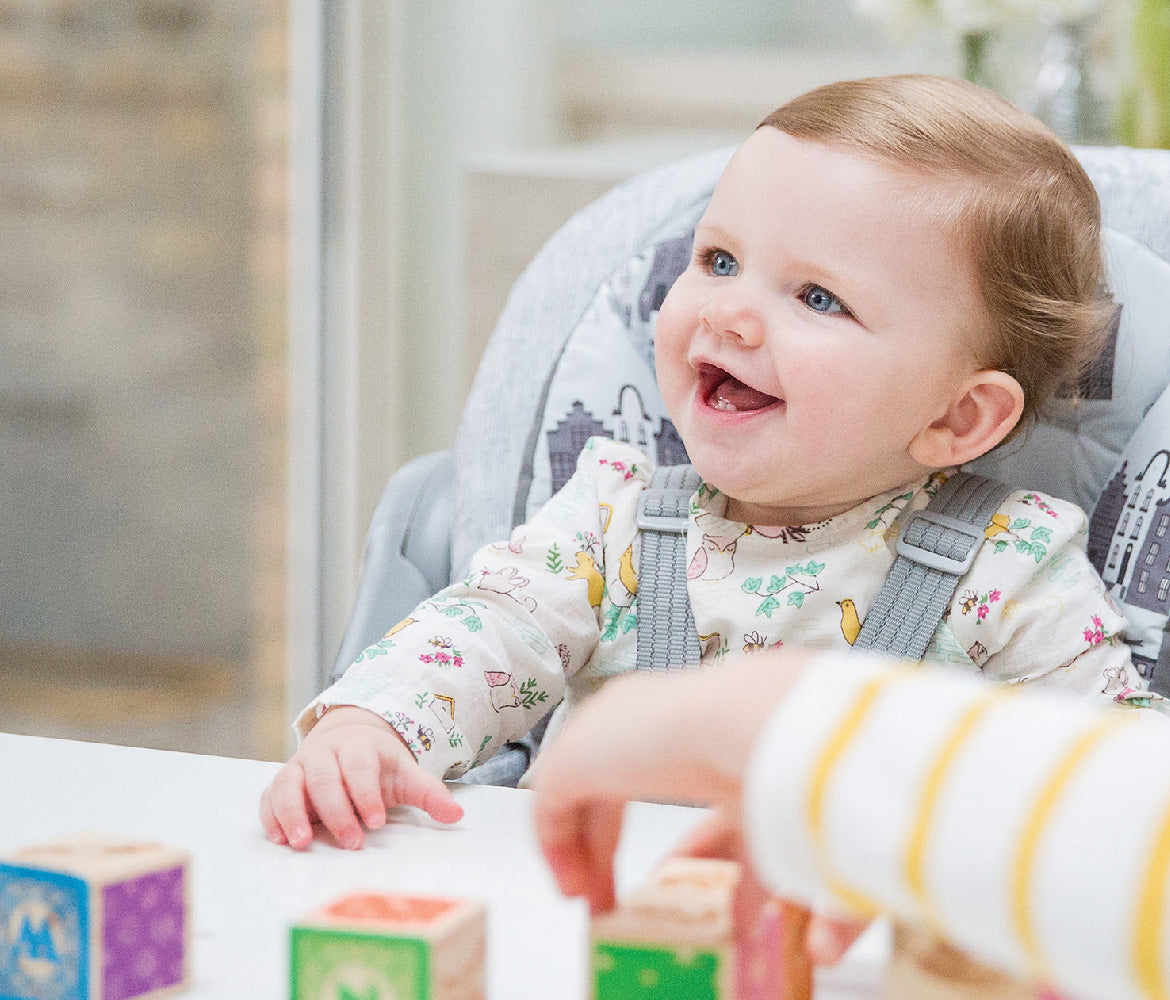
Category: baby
<point>892,276</point>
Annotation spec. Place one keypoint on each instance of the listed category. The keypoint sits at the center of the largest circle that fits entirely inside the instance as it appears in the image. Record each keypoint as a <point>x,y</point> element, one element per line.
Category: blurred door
<point>142,387</point>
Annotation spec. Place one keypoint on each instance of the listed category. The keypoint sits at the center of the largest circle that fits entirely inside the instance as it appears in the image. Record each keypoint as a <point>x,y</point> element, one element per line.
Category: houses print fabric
<point>547,616</point>
<point>603,384</point>
<point>1129,541</point>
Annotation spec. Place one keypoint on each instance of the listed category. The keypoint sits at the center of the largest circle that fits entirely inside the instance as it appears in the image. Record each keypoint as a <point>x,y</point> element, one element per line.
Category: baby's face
<point>820,326</point>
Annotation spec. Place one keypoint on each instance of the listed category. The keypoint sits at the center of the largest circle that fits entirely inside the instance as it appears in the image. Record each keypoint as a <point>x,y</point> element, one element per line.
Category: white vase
<point>1062,93</point>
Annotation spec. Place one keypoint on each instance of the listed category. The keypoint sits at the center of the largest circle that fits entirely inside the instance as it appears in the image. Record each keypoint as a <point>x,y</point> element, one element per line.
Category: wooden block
<point>372,946</point>
<point>94,918</point>
<point>925,967</point>
<point>773,963</point>
<point>679,935</point>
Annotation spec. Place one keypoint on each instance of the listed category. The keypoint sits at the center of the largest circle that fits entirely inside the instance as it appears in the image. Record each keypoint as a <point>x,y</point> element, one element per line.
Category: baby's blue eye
<point>723,265</point>
<point>821,300</point>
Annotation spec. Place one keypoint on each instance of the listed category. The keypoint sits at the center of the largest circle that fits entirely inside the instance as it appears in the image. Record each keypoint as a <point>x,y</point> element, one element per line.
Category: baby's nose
<point>735,314</point>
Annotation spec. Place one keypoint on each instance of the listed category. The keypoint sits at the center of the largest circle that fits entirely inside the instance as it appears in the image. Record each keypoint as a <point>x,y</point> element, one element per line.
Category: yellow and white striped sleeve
<point>1030,829</point>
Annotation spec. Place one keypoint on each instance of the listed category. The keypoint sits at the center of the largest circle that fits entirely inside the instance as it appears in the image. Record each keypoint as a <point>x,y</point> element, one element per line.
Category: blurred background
<point>252,250</point>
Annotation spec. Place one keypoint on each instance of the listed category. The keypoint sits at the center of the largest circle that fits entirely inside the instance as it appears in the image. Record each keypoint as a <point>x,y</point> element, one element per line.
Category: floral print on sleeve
<point>481,662</point>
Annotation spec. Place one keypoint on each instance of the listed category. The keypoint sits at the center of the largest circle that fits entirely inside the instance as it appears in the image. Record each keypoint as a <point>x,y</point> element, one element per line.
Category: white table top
<point>247,891</point>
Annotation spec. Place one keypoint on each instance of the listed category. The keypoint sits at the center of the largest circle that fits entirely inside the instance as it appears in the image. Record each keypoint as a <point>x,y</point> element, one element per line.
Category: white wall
<point>731,24</point>
<point>479,79</point>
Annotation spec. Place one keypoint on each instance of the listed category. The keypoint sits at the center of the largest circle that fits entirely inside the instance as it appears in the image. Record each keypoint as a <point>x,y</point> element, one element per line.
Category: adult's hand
<point>680,737</point>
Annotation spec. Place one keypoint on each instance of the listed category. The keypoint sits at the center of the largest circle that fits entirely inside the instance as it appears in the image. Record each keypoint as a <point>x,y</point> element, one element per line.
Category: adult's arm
<point>1031,829</point>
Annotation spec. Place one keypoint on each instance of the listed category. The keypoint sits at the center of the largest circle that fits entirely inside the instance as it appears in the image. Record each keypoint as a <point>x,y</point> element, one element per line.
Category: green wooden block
<point>389,947</point>
<point>672,939</point>
<point>630,972</point>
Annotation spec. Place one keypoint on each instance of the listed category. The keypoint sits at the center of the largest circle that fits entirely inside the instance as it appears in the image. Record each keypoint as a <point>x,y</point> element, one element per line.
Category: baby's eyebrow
<point>706,232</point>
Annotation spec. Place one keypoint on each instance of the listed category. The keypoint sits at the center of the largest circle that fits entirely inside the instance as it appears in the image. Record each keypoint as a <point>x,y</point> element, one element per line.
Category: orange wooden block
<point>390,945</point>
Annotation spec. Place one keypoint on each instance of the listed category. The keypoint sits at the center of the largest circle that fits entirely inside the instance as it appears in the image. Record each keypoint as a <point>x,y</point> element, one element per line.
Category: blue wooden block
<point>93,919</point>
<point>44,935</point>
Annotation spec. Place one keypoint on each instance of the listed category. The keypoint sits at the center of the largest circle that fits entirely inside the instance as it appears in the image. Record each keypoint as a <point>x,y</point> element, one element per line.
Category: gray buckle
<point>945,564</point>
<point>669,523</point>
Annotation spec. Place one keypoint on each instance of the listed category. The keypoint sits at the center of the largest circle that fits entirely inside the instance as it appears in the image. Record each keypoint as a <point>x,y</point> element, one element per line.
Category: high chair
<point>572,356</point>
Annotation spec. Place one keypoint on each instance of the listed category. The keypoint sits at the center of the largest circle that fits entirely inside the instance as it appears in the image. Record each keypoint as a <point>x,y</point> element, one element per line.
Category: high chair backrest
<point>572,356</point>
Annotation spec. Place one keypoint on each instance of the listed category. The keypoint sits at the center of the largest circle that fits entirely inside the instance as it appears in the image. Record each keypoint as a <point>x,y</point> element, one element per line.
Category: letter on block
<point>94,918</point>
<point>679,936</point>
<point>390,947</point>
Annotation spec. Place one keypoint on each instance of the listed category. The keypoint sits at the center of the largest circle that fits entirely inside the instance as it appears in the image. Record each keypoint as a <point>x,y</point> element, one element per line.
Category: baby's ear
<point>982,414</point>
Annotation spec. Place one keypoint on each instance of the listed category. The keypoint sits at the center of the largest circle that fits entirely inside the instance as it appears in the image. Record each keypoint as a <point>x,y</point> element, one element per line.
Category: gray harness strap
<point>936,547</point>
<point>666,625</point>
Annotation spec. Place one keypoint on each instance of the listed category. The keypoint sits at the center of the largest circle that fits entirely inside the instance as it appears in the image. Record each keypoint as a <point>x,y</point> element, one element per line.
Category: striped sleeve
<point>1030,829</point>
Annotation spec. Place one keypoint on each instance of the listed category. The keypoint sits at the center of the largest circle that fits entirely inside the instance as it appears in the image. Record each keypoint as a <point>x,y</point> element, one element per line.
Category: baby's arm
<point>475,666</point>
<point>350,769</point>
<point>414,708</point>
<point>484,660</point>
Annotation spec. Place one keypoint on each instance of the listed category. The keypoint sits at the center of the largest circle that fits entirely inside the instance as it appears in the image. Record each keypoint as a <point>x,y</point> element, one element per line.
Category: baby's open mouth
<point>723,391</point>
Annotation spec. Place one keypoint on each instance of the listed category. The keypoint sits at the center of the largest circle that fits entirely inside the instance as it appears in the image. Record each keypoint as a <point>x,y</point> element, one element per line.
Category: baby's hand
<point>348,771</point>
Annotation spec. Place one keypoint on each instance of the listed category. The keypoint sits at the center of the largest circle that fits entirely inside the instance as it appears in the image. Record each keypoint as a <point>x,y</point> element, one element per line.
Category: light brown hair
<point>1012,192</point>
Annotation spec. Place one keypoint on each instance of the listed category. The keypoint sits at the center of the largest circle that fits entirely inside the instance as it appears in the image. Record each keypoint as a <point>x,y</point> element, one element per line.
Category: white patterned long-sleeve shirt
<point>547,616</point>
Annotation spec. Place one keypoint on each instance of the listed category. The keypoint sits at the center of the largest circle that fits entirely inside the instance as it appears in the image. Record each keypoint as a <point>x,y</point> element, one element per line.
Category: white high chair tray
<point>246,891</point>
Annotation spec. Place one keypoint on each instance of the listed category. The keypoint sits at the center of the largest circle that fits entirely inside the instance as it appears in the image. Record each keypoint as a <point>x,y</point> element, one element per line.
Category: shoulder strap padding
<point>935,548</point>
<point>666,624</point>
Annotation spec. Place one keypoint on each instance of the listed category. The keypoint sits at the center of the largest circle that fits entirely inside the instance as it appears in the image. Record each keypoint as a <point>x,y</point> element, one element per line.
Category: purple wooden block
<point>142,934</point>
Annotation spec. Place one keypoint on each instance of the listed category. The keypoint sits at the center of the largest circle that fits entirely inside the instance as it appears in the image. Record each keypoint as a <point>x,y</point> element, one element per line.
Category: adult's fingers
<point>578,840</point>
<point>715,836</point>
<point>829,938</point>
<point>603,830</point>
<point>559,825</point>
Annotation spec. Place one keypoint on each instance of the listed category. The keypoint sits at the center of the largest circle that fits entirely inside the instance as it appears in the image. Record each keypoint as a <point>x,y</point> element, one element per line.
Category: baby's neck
<point>798,515</point>
<point>784,517</point>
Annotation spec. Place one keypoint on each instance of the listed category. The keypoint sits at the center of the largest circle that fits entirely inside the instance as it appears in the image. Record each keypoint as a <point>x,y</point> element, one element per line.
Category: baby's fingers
<point>361,770</point>
<point>326,790</point>
<point>268,819</point>
<point>283,811</point>
<point>408,784</point>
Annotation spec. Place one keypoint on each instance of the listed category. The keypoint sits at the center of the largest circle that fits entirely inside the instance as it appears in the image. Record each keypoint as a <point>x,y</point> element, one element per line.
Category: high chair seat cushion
<point>1129,540</point>
<point>603,383</point>
<point>1075,448</point>
<point>1134,188</point>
